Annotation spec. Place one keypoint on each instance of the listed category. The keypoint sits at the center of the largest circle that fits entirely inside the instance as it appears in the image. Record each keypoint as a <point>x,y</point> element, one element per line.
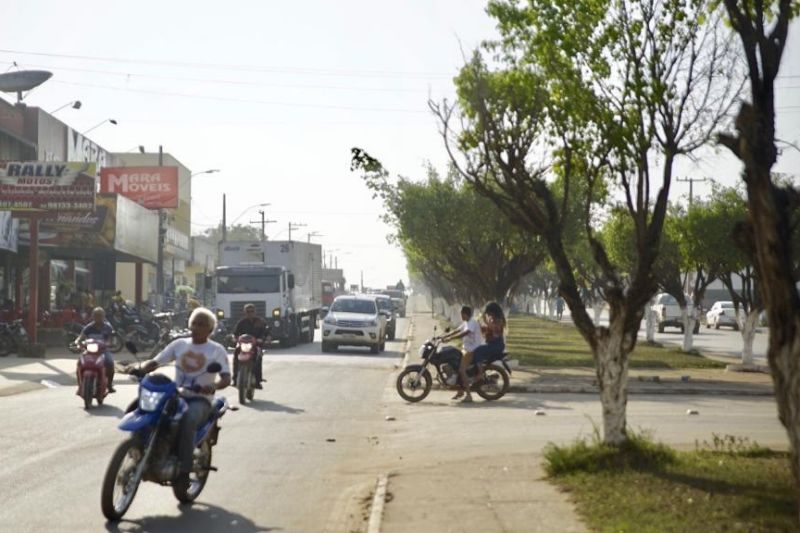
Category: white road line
<point>50,384</point>
<point>378,501</point>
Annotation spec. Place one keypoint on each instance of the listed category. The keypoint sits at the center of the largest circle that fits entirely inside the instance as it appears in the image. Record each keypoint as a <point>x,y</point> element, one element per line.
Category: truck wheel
<point>310,335</point>
<point>375,348</point>
<point>661,328</point>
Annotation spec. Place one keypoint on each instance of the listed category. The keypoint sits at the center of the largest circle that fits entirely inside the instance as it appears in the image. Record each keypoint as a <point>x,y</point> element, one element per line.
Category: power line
<point>237,68</point>
<point>241,100</point>
<point>222,81</point>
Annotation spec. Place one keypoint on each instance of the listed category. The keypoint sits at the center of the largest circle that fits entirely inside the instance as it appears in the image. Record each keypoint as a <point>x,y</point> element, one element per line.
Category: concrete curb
<point>560,389</point>
<point>378,501</point>
<point>407,348</point>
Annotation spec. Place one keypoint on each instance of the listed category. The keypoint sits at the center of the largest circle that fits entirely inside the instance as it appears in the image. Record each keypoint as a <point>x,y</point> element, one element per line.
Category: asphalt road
<point>289,462</point>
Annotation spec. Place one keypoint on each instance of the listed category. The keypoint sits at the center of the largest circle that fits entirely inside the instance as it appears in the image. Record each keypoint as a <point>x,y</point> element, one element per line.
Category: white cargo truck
<point>283,279</point>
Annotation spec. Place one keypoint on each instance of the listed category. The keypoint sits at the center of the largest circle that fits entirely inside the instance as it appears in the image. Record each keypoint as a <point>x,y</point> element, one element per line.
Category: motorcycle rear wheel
<point>408,389</point>
<point>494,384</point>
<point>89,386</point>
<point>198,476</point>
<point>119,476</point>
<point>251,387</point>
<point>115,343</point>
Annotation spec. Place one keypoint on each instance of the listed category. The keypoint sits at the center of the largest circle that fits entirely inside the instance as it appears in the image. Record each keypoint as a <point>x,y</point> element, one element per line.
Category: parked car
<point>722,314</point>
<point>386,306</point>
<point>354,320</point>
<point>668,313</point>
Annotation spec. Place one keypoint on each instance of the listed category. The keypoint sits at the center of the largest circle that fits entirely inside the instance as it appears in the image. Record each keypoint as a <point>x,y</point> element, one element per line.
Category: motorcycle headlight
<point>220,313</point>
<point>148,400</point>
<point>92,347</point>
<point>246,346</point>
<point>330,320</point>
<point>276,312</point>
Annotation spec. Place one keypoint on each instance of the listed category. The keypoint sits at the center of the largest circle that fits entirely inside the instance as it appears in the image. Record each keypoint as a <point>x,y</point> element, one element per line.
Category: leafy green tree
<point>238,232</point>
<point>455,239</point>
<point>585,97</point>
<point>763,29</point>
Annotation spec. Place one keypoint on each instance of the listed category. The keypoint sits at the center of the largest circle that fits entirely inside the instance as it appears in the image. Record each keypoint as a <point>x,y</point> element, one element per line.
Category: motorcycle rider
<point>192,356</point>
<point>494,323</point>
<point>470,332</point>
<point>100,329</point>
<point>256,326</point>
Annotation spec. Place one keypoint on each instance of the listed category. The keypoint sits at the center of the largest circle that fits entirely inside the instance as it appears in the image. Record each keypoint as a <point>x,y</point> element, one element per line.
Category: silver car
<point>722,314</point>
<point>354,320</point>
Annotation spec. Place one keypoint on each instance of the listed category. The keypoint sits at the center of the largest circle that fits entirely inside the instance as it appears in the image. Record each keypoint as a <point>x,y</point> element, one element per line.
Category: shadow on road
<point>266,405</point>
<point>196,517</point>
<point>105,410</point>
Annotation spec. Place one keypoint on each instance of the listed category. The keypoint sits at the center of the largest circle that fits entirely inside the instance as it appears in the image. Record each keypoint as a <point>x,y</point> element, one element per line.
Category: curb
<point>407,348</point>
<point>378,501</point>
<point>556,389</point>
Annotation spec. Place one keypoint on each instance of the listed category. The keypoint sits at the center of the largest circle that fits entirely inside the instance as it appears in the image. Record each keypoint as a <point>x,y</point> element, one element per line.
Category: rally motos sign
<point>47,186</point>
<point>152,187</point>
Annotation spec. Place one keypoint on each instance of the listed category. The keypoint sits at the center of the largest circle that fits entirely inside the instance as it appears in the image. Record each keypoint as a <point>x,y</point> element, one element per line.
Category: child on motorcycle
<point>494,323</point>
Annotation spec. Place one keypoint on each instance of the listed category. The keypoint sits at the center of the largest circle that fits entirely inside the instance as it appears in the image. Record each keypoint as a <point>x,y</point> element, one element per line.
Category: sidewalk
<point>462,492</point>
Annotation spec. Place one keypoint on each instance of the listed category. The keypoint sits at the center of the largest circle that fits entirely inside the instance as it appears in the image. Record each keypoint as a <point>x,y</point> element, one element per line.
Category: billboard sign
<point>151,187</point>
<point>47,186</point>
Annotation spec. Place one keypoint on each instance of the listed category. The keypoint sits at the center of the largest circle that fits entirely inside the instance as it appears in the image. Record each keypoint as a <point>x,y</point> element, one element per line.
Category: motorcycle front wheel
<point>115,343</point>
<point>199,475</point>
<point>494,384</point>
<point>242,383</point>
<point>120,482</point>
<point>414,383</point>
<point>89,385</point>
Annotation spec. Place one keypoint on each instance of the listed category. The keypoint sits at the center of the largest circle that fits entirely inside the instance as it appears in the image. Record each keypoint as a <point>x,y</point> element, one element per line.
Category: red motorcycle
<point>246,356</point>
<point>92,380</point>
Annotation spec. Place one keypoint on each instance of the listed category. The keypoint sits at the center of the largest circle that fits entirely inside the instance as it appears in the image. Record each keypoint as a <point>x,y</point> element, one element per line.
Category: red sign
<point>152,187</point>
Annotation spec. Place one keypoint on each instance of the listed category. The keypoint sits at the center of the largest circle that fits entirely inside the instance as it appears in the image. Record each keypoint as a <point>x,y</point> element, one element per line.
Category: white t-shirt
<point>191,361</point>
<point>473,338</point>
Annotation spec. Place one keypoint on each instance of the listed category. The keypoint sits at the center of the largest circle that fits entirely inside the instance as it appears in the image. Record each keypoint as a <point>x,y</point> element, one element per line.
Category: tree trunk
<point>688,319</point>
<point>597,309</point>
<point>650,324</point>
<point>748,329</point>
<point>612,378</point>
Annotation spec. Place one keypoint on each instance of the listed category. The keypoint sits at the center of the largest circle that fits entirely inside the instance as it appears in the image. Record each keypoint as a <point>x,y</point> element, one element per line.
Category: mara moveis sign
<point>152,187</point>
<point>47,185</point>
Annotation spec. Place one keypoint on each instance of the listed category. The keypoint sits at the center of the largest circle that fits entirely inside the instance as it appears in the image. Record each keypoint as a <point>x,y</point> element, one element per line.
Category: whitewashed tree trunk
<point>650,324</point>
<point>551,308</point>
<point>689,318</point>
<point>538,305</point>
<point>748,329</point>
<point>597,309</point>
<point>612,377</point>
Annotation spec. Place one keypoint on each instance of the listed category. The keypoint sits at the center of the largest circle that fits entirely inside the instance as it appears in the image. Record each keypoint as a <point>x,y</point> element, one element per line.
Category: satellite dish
<point>23,80</point>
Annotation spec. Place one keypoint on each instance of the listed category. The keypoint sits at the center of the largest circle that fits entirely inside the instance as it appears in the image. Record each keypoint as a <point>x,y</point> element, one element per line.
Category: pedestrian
<point>559,306</point>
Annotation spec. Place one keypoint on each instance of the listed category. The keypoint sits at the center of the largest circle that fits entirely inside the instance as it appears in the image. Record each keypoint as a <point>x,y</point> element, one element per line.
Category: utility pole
<point>224,222</point>
<point>162,233</point>
<point>691,186</point>
<point>294,226</point>
<point>263,223</point>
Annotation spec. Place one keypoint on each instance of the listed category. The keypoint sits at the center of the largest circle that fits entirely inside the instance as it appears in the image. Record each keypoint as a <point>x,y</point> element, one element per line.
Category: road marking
<point>50,384</point>
<point>378,501</point>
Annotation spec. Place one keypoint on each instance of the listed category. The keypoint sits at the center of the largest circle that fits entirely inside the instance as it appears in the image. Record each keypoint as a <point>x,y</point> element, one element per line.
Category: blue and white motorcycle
<point>150,453</point>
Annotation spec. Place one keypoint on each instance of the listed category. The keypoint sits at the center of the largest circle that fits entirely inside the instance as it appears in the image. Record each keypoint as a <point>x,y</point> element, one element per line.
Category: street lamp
<point>76,104</point>
<point>314,234</point>
<point>111,120</point>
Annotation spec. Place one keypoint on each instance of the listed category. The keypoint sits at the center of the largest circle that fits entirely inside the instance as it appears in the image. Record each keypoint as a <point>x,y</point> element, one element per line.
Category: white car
<point>668,313</point>
<point>722,314</point>
<point>354,320</point>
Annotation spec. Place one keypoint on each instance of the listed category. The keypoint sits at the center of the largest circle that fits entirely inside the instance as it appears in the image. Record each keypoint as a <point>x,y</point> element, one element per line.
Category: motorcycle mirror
<point>213,368</point>
<point>131,347</point>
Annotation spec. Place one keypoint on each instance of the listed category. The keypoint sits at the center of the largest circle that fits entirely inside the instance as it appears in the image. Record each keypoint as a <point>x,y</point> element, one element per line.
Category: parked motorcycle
<point>72,330</point>
<point>92,379</point>
<point>415,381</point>
<point>247,356</point>
<point>130,327</point>
<point>150,453</point>
<point>12,336</point>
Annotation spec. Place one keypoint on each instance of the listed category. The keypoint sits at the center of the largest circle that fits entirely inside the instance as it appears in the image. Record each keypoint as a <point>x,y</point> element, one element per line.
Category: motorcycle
<point>92,379</point>
<point>12,336</point>
<point>72,330</point>
<point>415,381</point>
<point>150,453</point>
<point>247,356</point>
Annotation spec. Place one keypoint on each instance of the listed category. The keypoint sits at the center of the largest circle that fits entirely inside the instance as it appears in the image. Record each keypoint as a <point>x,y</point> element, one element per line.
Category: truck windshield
<point>243,284</point>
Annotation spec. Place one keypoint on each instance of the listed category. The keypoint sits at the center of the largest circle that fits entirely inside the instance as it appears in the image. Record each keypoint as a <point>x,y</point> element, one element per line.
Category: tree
<point>588,94</point>
<point>238,232</point>
<point>455,239</point>
<point>763,28</point>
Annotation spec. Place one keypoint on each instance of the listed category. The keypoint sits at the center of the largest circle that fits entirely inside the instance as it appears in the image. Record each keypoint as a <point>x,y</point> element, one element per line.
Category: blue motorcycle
<point>150,454</point>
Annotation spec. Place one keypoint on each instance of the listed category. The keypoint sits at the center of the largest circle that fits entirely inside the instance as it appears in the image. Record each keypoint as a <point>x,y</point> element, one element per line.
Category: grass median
<point>728,484</point>
<point>544,343</point>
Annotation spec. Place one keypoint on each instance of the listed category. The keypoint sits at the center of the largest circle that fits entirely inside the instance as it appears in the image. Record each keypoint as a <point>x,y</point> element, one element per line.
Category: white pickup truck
<point>668,313</point>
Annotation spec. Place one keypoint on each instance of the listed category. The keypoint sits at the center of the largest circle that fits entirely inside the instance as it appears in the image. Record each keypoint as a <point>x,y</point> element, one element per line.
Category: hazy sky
<point>275,94</point>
